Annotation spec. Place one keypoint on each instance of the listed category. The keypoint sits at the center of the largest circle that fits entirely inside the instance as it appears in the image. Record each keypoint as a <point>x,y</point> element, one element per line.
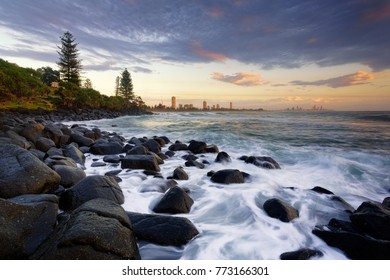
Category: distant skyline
<point>255,53</point>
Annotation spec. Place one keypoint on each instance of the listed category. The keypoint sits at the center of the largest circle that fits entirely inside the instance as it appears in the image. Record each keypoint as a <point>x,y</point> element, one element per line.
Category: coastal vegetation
<point>51,89</point>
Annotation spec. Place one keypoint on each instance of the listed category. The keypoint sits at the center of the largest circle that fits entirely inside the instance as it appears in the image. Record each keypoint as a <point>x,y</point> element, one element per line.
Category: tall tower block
<point>174,102</point>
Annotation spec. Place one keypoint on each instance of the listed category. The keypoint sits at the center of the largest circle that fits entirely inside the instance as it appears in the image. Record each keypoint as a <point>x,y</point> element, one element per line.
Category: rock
<point>174,201</point>
<point>81,140</point>
<point>112,159</point>
<point>23,173</point>
<point>180,174</point>
<point>160,141</point>
<point>69,175</point>
<point>113,172</point>
<point>90,134</point>
<point>197,147</point>
<point>228,176</point>
<point>342,235</point>
<point>170,153</point>
<point>84,149</point>
<point>152,146</point>
<point>89,188</point>
<point>74,153</point>
<point>98,230</point>
<point>163,230</point>
<point>212,149</point>
<point>44,144</point>
<point>166,139</point>
<point>162,156</point>
<point>18,140</point>
<point>32,131</point>
<point>98,164</point>
<point>223,157</point>
<point>281,210</point>
<point>60,160</point>
<point>264,162</point>
<point>106,148</point>
<point>302,254</point>
<point>147,162</point>
<point>178,147</point>
<point>372,218</point>
<point>386,203</point>
<point>321,190</point>
<point>26,221</point>
<point>210,173</point>
<point>138,150</point>
<point>197,164</point>
<point>190,157</point>
<point>54,133</point>
<point>158,184</point>
<point>135,141</point>
<point>54,152</point>
<point>38,154</point>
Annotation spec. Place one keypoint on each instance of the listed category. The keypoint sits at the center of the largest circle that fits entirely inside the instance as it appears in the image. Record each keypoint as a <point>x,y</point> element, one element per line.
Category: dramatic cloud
<point>270,34</point>
<point>358,78</point>
<point>138,69</point>
<point>240,79</point>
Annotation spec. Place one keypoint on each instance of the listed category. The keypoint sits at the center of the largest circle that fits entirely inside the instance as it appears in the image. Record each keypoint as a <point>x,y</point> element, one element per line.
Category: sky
<point>269,54</point>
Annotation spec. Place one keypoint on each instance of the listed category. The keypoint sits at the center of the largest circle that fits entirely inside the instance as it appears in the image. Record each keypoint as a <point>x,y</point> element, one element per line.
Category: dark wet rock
<point>189,157</point>
<point>212,149</point>
<point>44,144</point>
<point>152,145</point>
<point>54,152</point>
<point>74,153</point>
<point>321,190</point>
<point>106,148</point>
<point>386,203</point>
<point>170,153</point>
<point>302,254</point>
<point>341,202</point>
<point>147,162</point>
<point>98,164</point>
<point>90,134</point>
<point>178,147</point>
<point>223,157</point>
<point>18,140</point>
<point>84,149</point>
<point>210,173</point>
<point>163,230</point>
<point>160,141</point>
<point>195,163</point>
<point>228,176</point>
<point>60,160</point>
<point>32,131</point>
<point>159,160</point>
<point>166,139</point>
<point>112,159</point>
<point>342,235</point>
<point>180,174</point>
<point>280,209</point>
<point>89,188</point>
<point>174,201</point>
<point>135,141</point>
<point>54,132</point>
<point>372,218</point>
<point>158,185</point>
<point>98,230</point>
<point>197,147</point>
<point>138,150</point>
<point>127,148</point>
<point>69,175</point>
<point>243,158</point>
<point>98,132</point>
<point>81,140</point>
<point>38,154</point>
<point>23,173</point>
<point>162,156</point>
<point>264,162</point>
<point>152,173</point>
<point>26,221</point>
<point>113,172</point>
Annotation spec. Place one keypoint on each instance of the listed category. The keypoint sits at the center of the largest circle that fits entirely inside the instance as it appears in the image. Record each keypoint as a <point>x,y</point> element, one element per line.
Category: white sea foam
<point>230,218</point>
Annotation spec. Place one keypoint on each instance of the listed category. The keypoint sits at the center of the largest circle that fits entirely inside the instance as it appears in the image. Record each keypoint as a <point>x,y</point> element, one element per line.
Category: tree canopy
<point>126,86</point>
<point>69,63</point>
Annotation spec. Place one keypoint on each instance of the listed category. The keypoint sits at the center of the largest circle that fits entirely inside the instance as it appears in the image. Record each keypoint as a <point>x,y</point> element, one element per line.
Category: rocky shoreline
<point>50,209</point>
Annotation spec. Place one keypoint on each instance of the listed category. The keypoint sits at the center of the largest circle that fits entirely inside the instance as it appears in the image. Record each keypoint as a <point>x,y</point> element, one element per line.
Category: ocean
<point>347,153</point>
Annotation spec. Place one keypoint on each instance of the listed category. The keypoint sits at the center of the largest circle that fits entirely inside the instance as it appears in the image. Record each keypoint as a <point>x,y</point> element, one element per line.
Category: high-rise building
<point>231,105</point>
<point>174,102</point>
<point>204,105</point>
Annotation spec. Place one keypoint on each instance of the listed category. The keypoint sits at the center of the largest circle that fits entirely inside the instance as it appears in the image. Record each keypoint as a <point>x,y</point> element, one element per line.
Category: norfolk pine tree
<point>69,64</point>
<point>126,86</point>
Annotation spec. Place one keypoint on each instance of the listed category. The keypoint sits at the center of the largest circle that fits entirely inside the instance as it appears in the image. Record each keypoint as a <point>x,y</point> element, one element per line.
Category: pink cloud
<point>240,79</point>
<point>379,14</point>
<point>199,50</point>
<point>215,13</point>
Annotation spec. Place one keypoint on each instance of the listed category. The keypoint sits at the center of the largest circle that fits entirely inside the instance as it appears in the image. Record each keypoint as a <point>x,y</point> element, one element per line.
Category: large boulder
<point>81,140</point>
<point>98,230</point>
<point>228,176</point>
<point>262,161</point>
<point>195,163</point>
<point>180,174</point>
<point>197,147</point>
<point>89,188</point>
<point>138,150</point>
<point>223,157</point>
<point>279,209</point>
<point>18,140</point>
<point>147,162</point>
<point>152,146</point>
<point>44,144</point>
<point>55,133</point>
<point>112,159</point>
<point>174,201</point>
<point>32,131</point>
<point>23,173</point>
<point>106,148</point>
<point>301,254</point>
<point>26,221</point>
<point>355,245</point>
<point>178,147</point>
<point>69,175</point>
<point>60,160</point>
<point>74,153</point>
<point>163,230</point>
<point>372,218</point>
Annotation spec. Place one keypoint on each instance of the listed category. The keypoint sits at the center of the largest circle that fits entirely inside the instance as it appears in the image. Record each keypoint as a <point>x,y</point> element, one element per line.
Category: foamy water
<point>347,153</point>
